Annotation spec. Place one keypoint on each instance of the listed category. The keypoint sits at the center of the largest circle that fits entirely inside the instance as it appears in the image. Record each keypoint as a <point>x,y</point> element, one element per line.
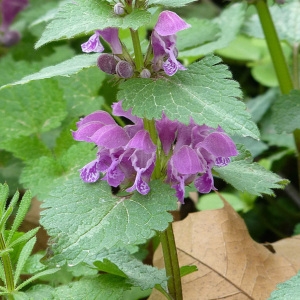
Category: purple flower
<point>9,9</point>
<point>110,35</point>
<point>127,155</point>
<point>163,40</point>
<point>197,150</point>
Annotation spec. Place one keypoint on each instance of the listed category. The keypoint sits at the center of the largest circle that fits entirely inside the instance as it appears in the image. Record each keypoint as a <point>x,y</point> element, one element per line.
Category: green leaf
<point>213,201</point>
<point>33,108</point>
<point>259,105</point>
<point>7,212</point>
<point>169,3</point>
<point>250,177</point>
<point>186,270</point>
<point>24,237</point>
<point>286,111</point>
<point>25,253</point>
<point>4,192</point>
<point>36,276</point>
<point>81,91</point>
<point>108,267</point>
<point>229,27</point>
<point>21,213</point>
<point>40,291</point>
<point>288,290</point>
<point>26,147</point>
<point>65,68</point>
<point>84,16</point>
<point>204,92</point>
<point>287,18</point>
<point>108,287</point>
<point>44,174</point>
<point>90,217</point>
<point>200,32</point>
<point>126,265</point>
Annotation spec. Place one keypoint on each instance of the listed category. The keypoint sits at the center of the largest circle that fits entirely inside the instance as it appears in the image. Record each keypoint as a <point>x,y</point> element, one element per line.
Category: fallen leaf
<point>230,264</point>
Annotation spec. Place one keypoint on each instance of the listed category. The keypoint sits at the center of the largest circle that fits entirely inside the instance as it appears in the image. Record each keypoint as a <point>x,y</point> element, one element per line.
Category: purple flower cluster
<point>9,9</point>
<point>127,156</point>
<point>163,45</point>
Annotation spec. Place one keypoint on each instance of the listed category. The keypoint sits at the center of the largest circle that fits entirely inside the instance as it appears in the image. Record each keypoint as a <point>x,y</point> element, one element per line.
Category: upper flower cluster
<point>9,9</point>
<point>162,48</point>
<point>188,152</point>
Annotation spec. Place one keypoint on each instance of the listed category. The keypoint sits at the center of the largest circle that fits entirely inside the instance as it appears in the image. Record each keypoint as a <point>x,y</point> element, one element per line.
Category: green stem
<point>7,266</point>
<point>296,65</point>
<point>171,263</point>
<point>149,125</point>
<point>138,55</point>
<point>281,68</point>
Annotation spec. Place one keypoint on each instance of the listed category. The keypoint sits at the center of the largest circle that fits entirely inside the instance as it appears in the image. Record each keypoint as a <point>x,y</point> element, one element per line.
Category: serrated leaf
<point>65,68</point>
<point>286,111</point>
<point>288,290</point>
<point>84,16</point>
<point>205,92</point>
<point>251,178</point>
<point>108,287</point>
<point>102,219</point>
<point>137,273</point>
<point>229,28</point>
<point>33,108</point>
<point>25,253</point>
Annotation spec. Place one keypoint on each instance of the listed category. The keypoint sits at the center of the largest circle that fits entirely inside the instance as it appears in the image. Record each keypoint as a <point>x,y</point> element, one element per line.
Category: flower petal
<point>90,173</point>
<point>169,23</point>
<point>111,36</point>
<point>93,44</point>
<point>110,136</point>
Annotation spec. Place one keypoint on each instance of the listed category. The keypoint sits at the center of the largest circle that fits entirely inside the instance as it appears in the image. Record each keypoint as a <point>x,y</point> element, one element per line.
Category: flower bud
<point>145,73</point>
<point>124,69</point>
<point>10,38</point>
<point>107,63</point>
<point>119,9</point>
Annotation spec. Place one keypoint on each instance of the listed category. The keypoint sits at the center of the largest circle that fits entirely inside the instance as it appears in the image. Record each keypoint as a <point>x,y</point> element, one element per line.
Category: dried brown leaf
<point>230,264</point>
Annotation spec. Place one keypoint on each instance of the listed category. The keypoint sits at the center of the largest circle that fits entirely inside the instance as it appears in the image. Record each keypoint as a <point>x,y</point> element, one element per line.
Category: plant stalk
<point>149,125</point>
<point>7,267</point>
<point>296,65</point>
<point>278,59</point>
<point>171,263</point>
<point>138,55</point>
<point>279,62</point>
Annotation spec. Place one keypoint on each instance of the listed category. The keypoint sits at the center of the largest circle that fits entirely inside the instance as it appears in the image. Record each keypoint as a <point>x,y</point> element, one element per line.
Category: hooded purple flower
<point>196,151</point>
<point>127,155</point>
<point>163,40</point>
<point>9,9</point>
<point>110,35</point>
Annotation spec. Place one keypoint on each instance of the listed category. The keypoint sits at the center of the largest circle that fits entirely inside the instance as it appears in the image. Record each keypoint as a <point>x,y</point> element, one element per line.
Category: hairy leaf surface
<point>88,218</point>
<point>204,92</point>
